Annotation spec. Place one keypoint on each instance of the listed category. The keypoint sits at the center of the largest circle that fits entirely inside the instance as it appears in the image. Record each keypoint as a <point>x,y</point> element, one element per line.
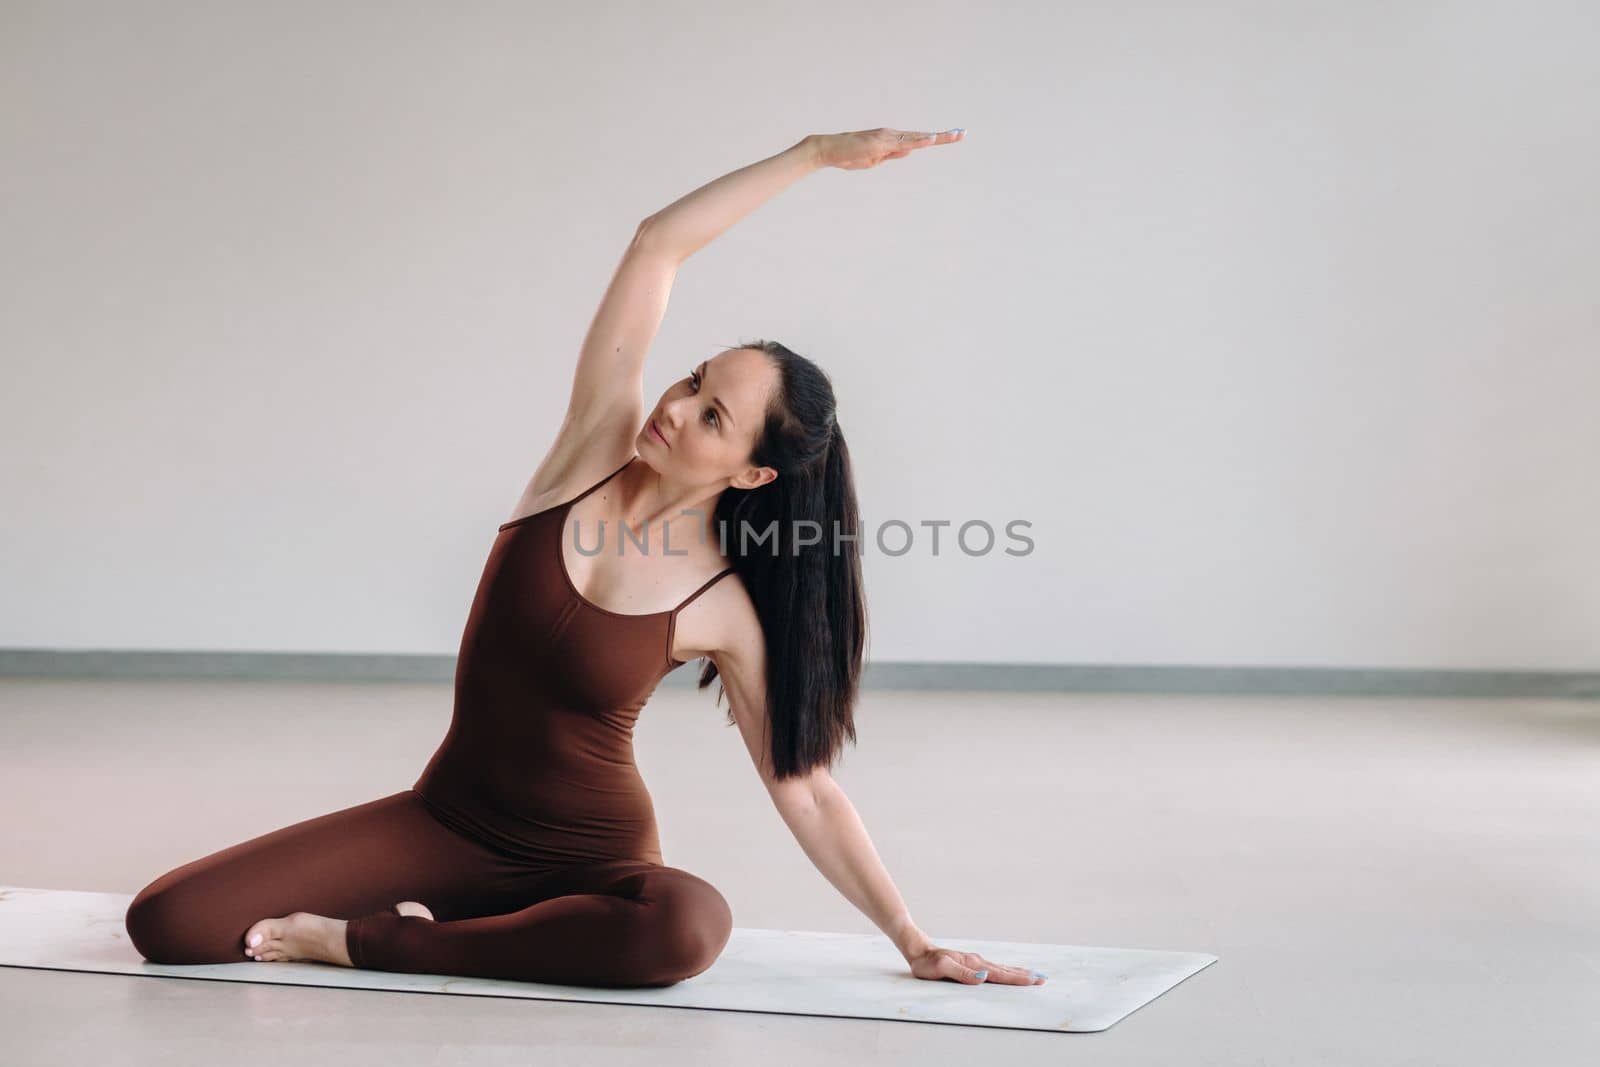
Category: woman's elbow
<point>802,792</point>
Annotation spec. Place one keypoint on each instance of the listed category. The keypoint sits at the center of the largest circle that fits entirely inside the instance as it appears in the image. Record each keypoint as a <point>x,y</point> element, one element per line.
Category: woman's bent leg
<point>346,863</point>
<point>626,923</point>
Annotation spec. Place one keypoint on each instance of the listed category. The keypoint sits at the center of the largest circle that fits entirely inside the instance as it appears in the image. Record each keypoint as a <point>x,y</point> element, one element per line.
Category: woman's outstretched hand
<point>969,968</point>
<point>868,148</point>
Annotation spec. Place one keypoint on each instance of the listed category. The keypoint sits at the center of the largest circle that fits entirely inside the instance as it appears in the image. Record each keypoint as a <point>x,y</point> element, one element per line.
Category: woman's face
<point>710,418</point>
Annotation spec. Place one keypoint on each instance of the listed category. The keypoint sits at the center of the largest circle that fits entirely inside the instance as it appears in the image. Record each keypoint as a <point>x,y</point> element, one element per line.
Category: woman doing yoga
<point>527,849</point>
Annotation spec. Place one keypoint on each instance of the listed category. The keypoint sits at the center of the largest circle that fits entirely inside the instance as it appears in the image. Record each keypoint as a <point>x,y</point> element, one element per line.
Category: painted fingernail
<point>1037,974</point>
<point>983,974</point>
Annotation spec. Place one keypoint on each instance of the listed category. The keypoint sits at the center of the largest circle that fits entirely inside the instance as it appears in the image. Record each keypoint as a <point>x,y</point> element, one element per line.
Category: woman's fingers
<point>904,142</point>
<point>1009,975</point>
<point>969,968</point>
<point>948,963</point>
<point>918,139</point>
<point>868,148</point>
<point>952,967</point>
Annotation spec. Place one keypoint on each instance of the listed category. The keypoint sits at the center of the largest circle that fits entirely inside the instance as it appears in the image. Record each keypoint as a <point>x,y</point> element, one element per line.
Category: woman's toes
<point>296,936</point>
<point>256,938</point>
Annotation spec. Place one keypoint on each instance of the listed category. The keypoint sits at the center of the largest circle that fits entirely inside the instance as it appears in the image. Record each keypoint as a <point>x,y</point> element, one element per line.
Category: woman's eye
<point>694,380</point>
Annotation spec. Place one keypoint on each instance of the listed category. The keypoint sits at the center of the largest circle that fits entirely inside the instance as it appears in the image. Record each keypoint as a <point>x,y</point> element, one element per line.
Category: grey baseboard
<point>1012,677</point>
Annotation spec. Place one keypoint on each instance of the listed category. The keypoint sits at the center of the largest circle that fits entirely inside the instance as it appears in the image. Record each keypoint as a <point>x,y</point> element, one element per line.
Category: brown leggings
<point>619,923</point>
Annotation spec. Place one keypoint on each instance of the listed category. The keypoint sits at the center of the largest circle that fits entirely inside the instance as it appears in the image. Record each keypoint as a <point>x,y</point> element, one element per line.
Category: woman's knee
<point>693,925</point>
<point>167,924</point>
<point>149,922</point>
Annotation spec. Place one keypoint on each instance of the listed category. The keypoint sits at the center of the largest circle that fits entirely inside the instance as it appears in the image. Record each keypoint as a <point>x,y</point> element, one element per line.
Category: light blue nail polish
<point>1037,974</point>
<point>983,974</point>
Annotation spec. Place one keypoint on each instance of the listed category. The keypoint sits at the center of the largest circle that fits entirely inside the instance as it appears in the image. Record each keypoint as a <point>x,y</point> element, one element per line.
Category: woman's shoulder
<point>721,620</point>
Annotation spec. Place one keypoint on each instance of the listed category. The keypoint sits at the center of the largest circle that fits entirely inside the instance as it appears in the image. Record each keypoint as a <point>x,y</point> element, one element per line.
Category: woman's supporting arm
<point>813,805</point>
<point>832,836</point>
<point>692,221</point>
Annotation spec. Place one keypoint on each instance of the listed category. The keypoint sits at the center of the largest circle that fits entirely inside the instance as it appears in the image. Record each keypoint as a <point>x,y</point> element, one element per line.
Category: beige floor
<point>1386,881</point>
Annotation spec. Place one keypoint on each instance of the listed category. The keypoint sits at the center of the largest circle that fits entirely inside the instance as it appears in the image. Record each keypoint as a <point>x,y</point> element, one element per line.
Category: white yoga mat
<point>790,972</point>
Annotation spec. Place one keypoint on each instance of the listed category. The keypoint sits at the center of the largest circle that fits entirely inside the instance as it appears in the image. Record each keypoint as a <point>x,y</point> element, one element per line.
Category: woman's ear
<point>756,477</point>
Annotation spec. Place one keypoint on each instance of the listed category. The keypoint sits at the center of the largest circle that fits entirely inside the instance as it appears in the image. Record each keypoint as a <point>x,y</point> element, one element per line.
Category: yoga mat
<point>789,972</point>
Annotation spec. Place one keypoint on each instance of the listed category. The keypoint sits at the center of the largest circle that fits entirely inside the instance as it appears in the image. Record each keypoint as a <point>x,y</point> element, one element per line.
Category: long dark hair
<point>809,597</point>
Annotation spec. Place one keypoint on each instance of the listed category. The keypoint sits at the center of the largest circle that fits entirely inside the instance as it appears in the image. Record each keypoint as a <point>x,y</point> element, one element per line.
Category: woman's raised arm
<point>692,221</point>
<point>609,381</point>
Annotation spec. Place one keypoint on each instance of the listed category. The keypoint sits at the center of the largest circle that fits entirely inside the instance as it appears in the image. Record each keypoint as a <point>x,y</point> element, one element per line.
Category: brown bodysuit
<point>539,757</point>
<point>530,834</point>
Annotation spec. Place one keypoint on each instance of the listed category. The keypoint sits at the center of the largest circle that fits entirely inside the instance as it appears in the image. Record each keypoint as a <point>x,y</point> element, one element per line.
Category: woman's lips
<point>657,431</point>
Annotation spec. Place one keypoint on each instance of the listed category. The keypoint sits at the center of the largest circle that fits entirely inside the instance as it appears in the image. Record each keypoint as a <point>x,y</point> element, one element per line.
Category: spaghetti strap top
<point>562,510</point>
<point>538,761</point>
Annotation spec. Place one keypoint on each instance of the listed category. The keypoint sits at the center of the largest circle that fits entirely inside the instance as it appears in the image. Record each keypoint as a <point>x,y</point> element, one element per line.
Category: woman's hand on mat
<point>868,148</point>
<point>969,968</point>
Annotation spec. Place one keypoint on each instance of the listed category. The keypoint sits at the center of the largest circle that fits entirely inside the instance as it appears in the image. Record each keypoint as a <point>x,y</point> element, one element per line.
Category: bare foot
<point>299,935</point>
<point>411,907</point>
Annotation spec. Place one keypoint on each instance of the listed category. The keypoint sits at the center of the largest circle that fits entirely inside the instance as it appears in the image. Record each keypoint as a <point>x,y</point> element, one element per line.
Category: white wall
<point>1278,322</point>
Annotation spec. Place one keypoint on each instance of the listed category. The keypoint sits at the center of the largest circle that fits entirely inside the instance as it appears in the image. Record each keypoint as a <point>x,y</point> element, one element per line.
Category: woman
<point>527,849</point>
